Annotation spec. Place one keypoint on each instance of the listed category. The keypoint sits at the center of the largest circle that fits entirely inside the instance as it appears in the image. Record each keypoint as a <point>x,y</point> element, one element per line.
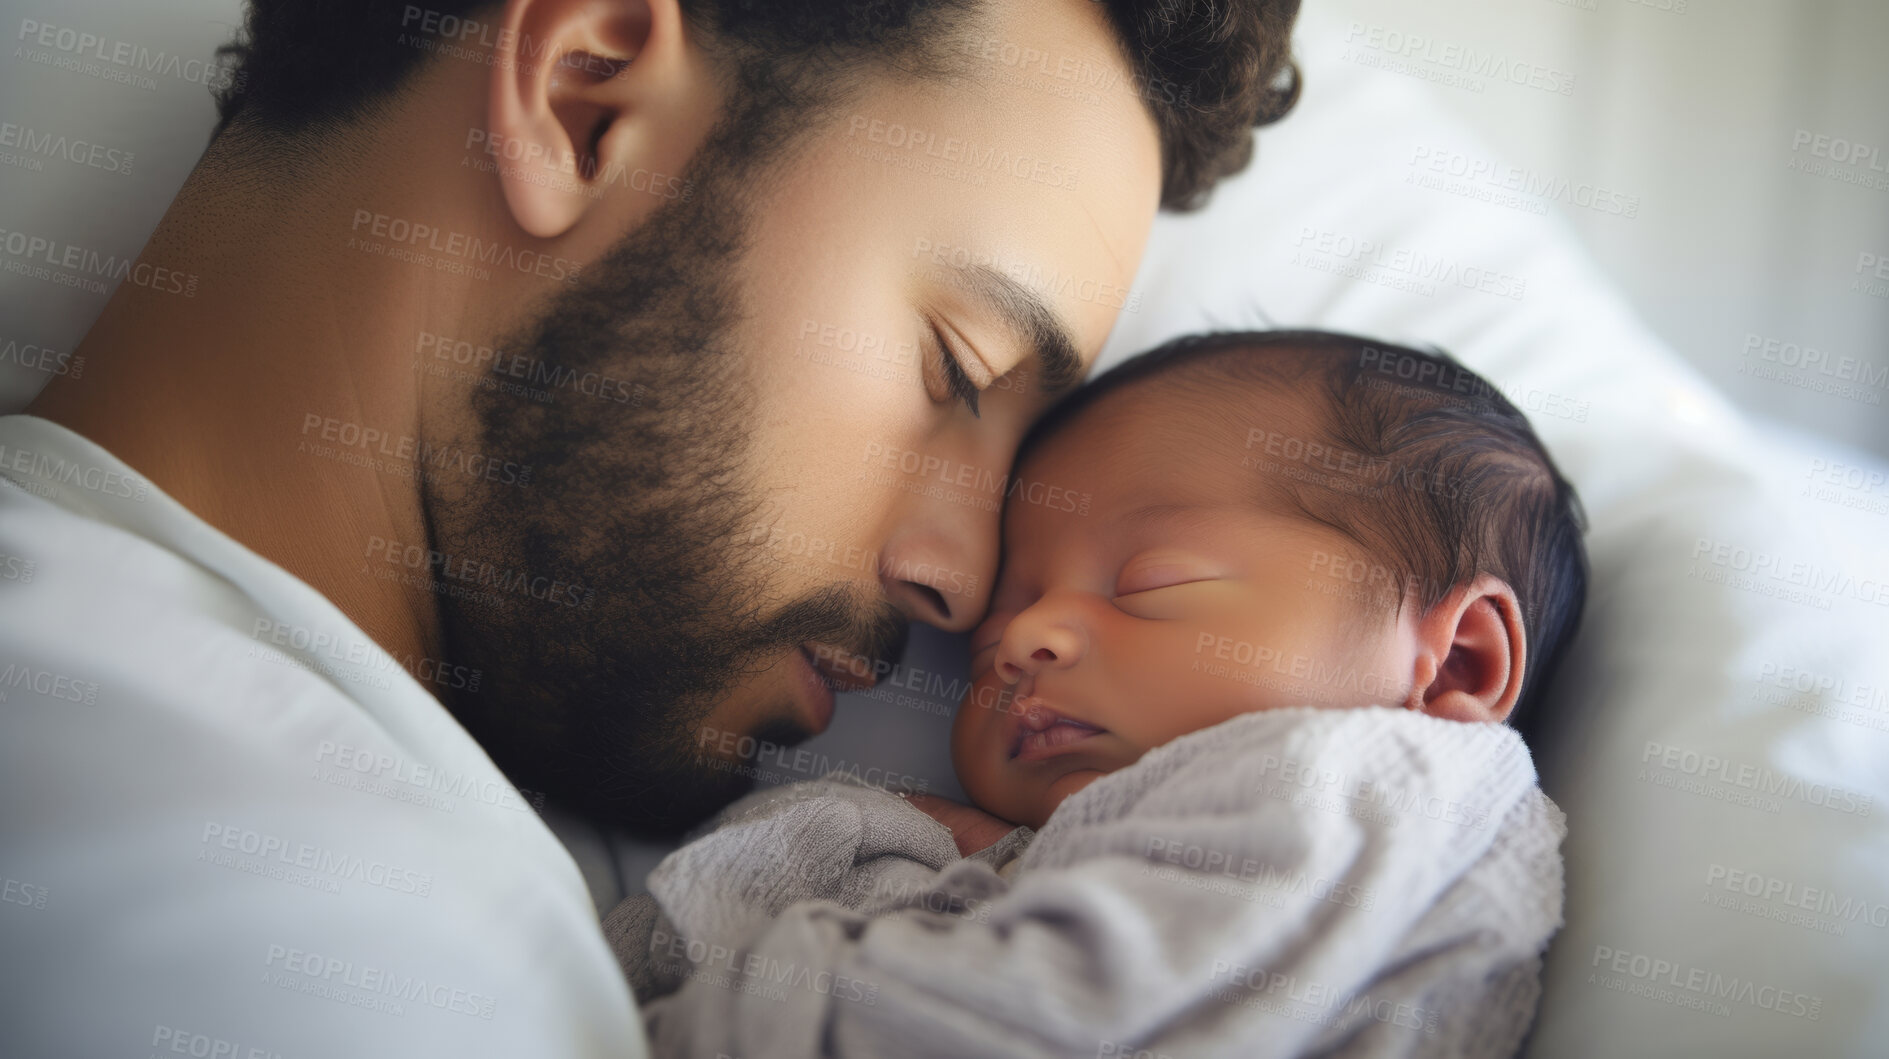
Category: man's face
<point>800,471</point>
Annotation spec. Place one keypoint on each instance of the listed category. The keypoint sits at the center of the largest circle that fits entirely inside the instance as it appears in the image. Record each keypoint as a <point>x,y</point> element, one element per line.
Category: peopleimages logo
<point>1363,796</point>
<point>34,357</point>
<point>1839,158</point>
<point>1697,987</point>
<point>407,451</point>
<point>486,363</point>
<point>457,246</point>
<point>1436,166</point>
<point>272,853</point>
<point>1210,648</point>
<point>399,559</point>
<point>42,144</point>
<point>1255,871</point>
<point>742,968</point>
<point>1398,267</point>
<point>71,265</point>
<point>364,985</point>
<point>80,50</point>
<point>1759,569</point>
<point>1839,366</point>
<point>1815,899</point>
<point>955,155</point>
<point>369,659</point>
<point>1310,1000</point>
<point>747,755</point>
<point>532,157</point>
<point>52,469</point>
<point>343,759</point>
<point>819,552</point>
<point>1421,55</point>
<point>47,684</point>
<point>175,1041</point>
<point>1745,776</point>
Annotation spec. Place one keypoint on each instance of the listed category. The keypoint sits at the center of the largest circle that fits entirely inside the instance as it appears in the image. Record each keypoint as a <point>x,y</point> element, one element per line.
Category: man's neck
<point>245,398</point>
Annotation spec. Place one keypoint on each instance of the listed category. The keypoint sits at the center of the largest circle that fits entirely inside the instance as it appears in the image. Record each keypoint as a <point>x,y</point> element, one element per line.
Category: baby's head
<point>1247,521</point>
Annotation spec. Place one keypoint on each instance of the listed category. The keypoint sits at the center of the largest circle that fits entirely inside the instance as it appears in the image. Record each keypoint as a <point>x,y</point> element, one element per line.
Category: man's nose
<point>938,566</point>
<point>1048,635</point>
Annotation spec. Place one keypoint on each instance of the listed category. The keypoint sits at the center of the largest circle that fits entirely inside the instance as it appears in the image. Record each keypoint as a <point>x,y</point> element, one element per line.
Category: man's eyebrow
<point>1043,331</point>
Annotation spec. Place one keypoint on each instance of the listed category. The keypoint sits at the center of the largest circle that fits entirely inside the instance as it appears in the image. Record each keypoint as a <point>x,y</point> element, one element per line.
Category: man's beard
<point>597,695</point>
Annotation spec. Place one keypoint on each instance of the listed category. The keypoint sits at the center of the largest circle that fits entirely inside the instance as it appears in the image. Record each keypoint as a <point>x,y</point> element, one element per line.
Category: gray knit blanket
<point>1368,882</point>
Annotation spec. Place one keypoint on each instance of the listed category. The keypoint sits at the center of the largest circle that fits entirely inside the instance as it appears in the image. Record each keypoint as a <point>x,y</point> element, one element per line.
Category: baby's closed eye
<point>1150,571</point>
<point>1175,600</point>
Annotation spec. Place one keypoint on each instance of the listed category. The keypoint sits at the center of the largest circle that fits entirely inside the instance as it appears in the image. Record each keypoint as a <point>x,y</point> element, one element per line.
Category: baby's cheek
<point>981,713</point>
<point>1186,680</point>
<point>976,735</point>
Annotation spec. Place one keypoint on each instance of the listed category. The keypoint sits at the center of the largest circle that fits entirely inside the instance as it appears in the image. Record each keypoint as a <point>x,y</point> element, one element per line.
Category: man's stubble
<point>600,696</point>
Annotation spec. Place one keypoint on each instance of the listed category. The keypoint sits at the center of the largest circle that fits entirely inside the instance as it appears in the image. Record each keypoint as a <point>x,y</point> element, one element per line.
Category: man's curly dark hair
<point>1210,71</point>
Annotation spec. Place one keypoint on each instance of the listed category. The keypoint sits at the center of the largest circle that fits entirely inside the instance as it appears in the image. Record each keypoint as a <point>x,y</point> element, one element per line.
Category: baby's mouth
<point>1043,732</point>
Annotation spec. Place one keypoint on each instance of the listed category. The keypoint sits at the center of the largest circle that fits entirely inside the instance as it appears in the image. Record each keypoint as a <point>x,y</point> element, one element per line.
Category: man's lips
<point>823,670</point>
<point>1043,732</point>
<point>816,694</point>
<point>843,670</point>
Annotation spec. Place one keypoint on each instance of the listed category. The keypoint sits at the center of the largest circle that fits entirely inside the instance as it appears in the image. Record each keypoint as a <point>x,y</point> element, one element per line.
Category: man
<point>587,370</point>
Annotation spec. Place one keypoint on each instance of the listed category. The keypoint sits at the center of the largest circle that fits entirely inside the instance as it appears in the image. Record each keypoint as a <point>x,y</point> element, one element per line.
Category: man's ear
<point>580,94</point>
<point>1471,650</point>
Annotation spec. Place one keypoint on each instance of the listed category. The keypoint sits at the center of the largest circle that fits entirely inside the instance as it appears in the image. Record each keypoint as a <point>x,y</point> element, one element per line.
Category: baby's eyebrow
<point>1148,513</point>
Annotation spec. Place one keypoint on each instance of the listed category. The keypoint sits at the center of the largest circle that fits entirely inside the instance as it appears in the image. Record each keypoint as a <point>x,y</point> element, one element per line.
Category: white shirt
<point>232,825</point>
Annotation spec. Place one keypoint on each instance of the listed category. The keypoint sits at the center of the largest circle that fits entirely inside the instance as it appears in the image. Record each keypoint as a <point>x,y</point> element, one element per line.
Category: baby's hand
<point>971,828</point>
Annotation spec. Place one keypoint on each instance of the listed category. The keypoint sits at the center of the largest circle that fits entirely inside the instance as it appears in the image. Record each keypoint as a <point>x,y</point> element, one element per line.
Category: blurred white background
<point>1700,110</point>
<point>1703,115</point>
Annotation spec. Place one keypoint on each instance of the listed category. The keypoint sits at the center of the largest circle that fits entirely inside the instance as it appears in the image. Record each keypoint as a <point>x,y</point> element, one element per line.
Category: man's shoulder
<point>130,671</point>
<point>238,824</point>
<point>103,630</point>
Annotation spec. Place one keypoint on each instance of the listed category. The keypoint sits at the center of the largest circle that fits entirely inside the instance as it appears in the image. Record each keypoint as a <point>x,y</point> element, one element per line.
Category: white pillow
<point>108,108</point>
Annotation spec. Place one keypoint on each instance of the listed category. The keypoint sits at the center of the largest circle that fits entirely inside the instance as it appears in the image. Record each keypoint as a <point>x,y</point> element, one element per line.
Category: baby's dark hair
<point>1424,464</point>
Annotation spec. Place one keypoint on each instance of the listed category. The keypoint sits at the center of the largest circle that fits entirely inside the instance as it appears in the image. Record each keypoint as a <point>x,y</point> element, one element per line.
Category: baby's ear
<point>1471,650</point>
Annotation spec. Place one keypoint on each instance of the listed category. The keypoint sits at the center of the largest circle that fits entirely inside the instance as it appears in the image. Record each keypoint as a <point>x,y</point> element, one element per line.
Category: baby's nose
<point>1012,672</point>
<point>1034,643</point>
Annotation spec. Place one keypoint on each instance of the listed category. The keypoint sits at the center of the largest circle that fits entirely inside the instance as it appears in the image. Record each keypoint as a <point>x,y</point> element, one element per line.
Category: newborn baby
<point>1250,702</point>
<point>1271,520</point>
